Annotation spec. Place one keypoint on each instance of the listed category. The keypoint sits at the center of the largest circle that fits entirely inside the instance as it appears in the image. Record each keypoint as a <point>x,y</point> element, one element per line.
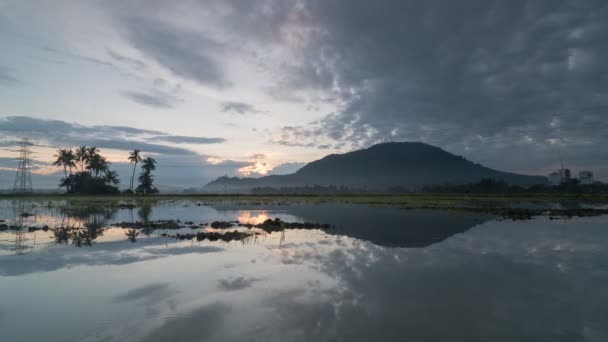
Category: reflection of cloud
<point>486,284</point>
<point>103,253</point>
<point>247,216</point>
<point>6,76</point>
<point>238,283</point>
<point>202,324</point>
<point>149,291</point>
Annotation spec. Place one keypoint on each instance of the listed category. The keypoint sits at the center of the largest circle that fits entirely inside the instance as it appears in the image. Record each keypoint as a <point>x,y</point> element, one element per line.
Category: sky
<point>248,88</point>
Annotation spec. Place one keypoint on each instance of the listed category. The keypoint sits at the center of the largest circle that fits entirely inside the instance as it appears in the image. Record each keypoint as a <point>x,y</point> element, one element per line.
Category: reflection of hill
<point>389,226</point>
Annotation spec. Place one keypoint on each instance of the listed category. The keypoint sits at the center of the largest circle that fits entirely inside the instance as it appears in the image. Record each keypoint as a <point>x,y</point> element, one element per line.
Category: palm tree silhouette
<point>112,177</point>
<point>134,158</point>
<point>97,164</point>
<point>82,156</point>
<point>65,158</point>
<point>146,180</point>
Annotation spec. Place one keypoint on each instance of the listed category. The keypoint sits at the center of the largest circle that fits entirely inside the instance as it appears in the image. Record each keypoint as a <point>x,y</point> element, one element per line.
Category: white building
<point>585,177</point>
<point>554,178</point>
<point>558,177</point>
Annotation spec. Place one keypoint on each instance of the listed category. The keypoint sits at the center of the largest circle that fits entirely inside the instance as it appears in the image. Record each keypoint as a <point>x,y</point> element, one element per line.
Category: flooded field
<point>187,270</point>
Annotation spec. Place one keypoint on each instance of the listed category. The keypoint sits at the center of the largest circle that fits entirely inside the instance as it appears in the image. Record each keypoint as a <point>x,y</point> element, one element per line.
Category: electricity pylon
<point>23,178</point>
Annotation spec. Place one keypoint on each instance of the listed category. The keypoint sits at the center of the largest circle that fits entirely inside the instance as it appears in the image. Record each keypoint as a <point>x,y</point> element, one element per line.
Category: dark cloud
<point>124,144</point>
<point>180,139</point>
<point>91,60</point>
<point>61,133</point>
<point>10,164</point>
<point>155,99</point>
<point>483,79</point>
<point>239,108</point>
<point>184,52</point>
<point>23,125</point>
<point>129,60</point>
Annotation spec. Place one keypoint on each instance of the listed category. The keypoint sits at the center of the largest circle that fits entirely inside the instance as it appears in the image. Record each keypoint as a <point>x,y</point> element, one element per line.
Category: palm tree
<point>146,180</point>
<point>93,150</point>
<point>82,156</point>
<point>70,160</point>
<point>148,164</point>
<point>65,158</point>
<point>97,164</point>
<point>134,158</point>
<point>112,177</point>
<point>92,156</point>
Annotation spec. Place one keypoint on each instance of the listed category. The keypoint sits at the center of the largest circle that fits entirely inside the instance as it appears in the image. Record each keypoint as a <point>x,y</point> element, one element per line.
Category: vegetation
<point>493,186</point>
<point>146,180</point>
<point>94,176</point>
<point>134,158</point>
<point>66,159</point>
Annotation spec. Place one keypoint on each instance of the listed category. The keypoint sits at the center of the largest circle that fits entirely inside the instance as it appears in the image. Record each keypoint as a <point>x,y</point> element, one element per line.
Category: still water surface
<point>382,273</point>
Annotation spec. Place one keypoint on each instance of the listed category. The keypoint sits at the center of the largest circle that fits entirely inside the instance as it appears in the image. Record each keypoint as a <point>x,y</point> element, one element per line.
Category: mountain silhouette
<point>410,165</point>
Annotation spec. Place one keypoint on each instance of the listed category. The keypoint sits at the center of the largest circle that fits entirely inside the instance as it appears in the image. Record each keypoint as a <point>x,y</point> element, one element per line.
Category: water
<point>382,273</point>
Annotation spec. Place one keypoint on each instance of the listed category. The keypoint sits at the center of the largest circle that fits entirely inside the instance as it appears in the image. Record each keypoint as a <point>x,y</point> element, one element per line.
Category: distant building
<point>558,177</point>
<point>564,174</point>
<point>554,178</point>
<point>585,177</point>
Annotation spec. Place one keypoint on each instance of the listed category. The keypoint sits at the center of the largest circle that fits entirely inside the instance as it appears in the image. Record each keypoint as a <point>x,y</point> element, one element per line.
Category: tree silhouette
<point>134,158</point>
<point>94,177</point>
<point>146,180</point>
<point>65,158</point>
<point>82,156</point>
<point>96,163</point>
<point>112,177</point>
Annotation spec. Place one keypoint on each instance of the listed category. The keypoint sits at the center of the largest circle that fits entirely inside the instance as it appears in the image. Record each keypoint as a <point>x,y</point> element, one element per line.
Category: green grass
<point>412,200</point>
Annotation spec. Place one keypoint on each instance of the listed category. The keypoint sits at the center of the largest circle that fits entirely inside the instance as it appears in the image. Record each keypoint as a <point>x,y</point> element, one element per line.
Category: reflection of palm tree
<point>134,158</point>
<point>91,215</point>
<point>144,212</point>
<point>144,216</point>
<point>61,235</point>
<point>132,234</point>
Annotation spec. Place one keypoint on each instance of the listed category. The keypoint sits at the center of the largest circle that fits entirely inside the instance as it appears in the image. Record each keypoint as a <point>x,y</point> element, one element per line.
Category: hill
<point>388,165</point>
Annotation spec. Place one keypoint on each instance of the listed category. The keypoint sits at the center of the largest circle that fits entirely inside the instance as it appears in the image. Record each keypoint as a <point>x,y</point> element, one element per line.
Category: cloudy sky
<point>254,87</point>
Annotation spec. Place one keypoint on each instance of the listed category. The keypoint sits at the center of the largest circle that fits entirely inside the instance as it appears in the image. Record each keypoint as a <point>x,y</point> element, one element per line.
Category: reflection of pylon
<point>23,179</point>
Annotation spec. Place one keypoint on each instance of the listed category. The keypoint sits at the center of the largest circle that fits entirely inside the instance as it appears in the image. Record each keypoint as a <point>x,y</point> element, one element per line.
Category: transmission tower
<point>23,178</point>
